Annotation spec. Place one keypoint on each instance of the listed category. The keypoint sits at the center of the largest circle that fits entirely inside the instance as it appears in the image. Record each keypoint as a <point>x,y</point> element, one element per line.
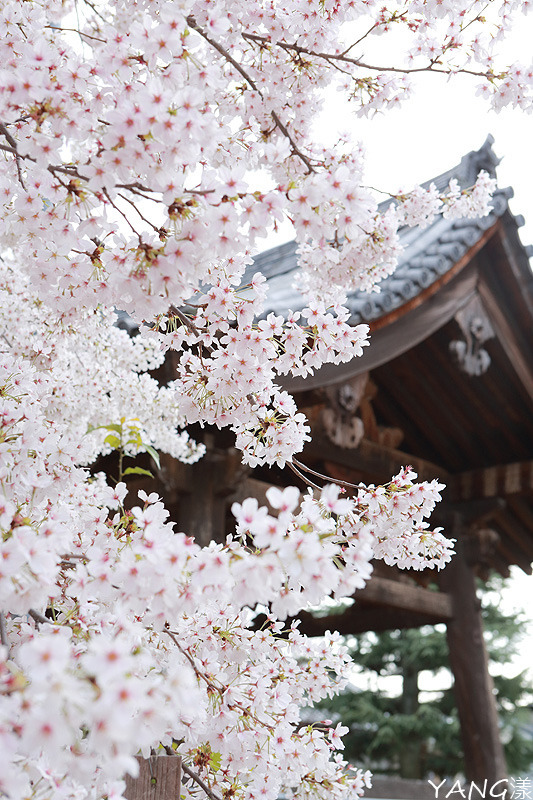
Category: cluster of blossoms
<point>147,147</point>
<point>95,376</point>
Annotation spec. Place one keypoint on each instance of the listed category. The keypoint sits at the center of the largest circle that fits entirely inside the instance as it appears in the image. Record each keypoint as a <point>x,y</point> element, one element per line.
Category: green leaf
<point>153,453</point>
<point>112,441</point>
<point>215,761</point>
<point>112,427</point>
<point>137,471</point>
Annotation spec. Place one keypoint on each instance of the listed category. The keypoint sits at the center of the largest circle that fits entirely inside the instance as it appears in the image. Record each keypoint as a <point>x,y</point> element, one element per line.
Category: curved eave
<point>404,327</point>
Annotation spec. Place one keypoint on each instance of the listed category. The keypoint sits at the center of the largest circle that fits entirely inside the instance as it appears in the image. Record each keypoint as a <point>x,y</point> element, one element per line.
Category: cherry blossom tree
<point>148,147</point>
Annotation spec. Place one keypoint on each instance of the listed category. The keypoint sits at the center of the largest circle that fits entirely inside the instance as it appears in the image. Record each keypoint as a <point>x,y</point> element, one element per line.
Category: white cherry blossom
<point>148,147</point>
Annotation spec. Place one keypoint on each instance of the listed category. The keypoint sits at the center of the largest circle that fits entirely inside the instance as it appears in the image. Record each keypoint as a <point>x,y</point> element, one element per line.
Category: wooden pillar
<point>159,779</point>
<point>474,688</point>
<point>205,489</point>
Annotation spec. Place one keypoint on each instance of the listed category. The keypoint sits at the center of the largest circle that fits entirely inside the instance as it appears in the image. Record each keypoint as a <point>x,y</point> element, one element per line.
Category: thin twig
<point>305,468</point>
<point>361,38</point>
<point>75,30</point>
<point>308,481</point>
<point>190,659</point>
<point>69,556</point>
<point>212,686</point>
<point>66,169</point>
<point>134,185</point>
<point>123,215</point>
<point>131,189</point>
<point>295,147</point>
<point>91,5</point>
<point>127,199</point>
<point>191,22</point>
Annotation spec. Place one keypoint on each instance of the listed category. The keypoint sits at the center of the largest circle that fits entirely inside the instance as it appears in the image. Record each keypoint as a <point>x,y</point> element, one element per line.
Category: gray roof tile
<point>428,253</point>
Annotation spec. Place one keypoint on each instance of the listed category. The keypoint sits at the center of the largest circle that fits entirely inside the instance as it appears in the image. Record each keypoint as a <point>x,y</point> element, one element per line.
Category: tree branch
<point>122,214</point>
<point>10,140</point>
<point>93,7</point>
<point>250,81</point>
<point>191,22</point>
<point>202,784</point>
<point>297,472</point>
<point>151,224</point>
<point>39,618</point>
<point>189,324</point>
<point>75,30</point>
<point>296,48</point>
<point>305,468</point>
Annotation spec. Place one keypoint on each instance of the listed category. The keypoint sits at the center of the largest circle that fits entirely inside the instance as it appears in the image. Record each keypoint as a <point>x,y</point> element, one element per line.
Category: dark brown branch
<point>71,171</point>
<point>133,190</point>
<point>361,38</point>
<point>202,784</point>
<point>189,324</point>
<point>295,147</point>
<point>122,214</point>
<point>39,618</point>
<point>296,48</point>
<point>133,186</point>
<point>68,556</point>
<point>190,659</point>
<point>191,22</point>
<point>212,686</point>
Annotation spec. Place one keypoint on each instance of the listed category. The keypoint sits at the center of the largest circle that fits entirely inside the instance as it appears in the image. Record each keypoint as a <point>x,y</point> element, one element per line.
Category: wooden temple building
<point>447,387</point>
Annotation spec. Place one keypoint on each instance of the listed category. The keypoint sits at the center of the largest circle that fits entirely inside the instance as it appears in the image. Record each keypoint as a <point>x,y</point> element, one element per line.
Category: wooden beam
<point>499,481</point>
<point>375,460</point>
<point>204,495</point>
<point>519,540</point>
<point>479,511</point>
<point>404,596</point>
<point>360,619</point>
<point>383,604</point>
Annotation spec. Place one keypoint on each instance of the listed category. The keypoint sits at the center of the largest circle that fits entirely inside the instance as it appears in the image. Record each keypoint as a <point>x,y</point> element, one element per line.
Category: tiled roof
<point>427,255</point>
